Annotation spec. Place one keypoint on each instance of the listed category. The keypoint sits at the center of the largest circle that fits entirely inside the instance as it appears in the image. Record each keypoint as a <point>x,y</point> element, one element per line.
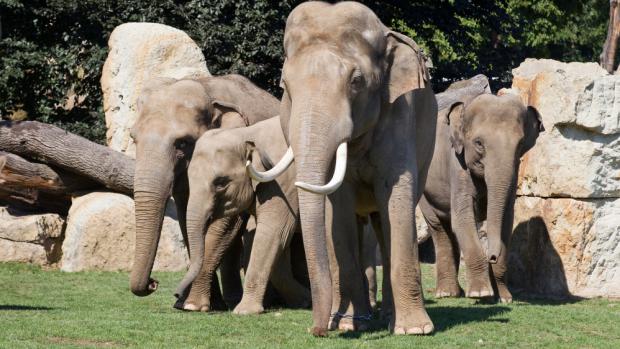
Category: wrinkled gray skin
<point>220,188</point>
<point>472,178</point>
<point>172,116</point>
<point>348,78</point>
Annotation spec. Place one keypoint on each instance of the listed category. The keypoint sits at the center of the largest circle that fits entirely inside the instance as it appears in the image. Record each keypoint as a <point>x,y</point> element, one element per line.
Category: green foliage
<point>52,52</point>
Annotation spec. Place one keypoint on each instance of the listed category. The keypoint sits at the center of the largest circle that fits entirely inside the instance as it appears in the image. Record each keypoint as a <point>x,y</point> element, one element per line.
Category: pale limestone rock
<point>578,155</point>
<point>100,235</point>
<point>31,238</point>
<point>138,52</point>
<point>563,246</point>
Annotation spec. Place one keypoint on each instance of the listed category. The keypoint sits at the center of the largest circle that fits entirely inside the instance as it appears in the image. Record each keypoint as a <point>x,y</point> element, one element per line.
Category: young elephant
<point>172,116</point>
<point>473,177</point>
<point>220,187</point>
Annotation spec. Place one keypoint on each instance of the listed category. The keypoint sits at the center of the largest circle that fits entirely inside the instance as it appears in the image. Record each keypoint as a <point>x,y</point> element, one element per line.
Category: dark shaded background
<point>52,52</point>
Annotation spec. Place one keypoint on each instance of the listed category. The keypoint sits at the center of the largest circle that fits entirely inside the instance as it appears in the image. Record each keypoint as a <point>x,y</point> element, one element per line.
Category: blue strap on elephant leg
<point>338,315</point>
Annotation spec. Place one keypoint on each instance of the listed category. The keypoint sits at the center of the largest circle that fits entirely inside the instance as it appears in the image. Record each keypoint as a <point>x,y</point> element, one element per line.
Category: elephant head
<point>220,188</point>
<point>172,116</point>
<point>343,69</point>
<point>489,136</point>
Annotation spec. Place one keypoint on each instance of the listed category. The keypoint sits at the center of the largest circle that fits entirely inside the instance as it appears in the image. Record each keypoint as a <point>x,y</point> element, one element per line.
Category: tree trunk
<point>16,172</point>
<point>475,86</point>
<point>54,146</point>
<point>608,55</point>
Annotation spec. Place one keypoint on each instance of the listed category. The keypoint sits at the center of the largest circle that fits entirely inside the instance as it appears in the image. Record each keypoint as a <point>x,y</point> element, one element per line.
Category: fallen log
<point>32,200</point>
<point>54,146</point>
<point>460,90</point>
<point>17,172</point>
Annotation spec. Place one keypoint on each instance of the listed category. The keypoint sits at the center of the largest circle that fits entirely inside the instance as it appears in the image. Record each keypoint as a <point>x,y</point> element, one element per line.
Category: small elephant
<point>172,116</point>
<point>220,187</point>
<point>472,178</point>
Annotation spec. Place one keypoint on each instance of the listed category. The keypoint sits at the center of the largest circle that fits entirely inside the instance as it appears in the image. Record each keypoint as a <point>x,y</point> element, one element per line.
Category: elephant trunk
<point>152,186</point>
<point>500,191</point>
<point>314,141</point>
<point>198,216</point>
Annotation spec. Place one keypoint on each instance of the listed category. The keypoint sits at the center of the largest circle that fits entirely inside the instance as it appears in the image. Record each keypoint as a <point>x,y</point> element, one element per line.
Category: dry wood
<point>69,152</point>
<point>608,56</point>
<point>477,85</point>
<point>17,172</point>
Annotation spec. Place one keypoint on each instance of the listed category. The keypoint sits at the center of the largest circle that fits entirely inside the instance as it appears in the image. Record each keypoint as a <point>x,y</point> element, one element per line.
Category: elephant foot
<point>349,323</point>
<point>199,303</point>
<point>504,295</point>
<point>445,290</point>
<point>248,308</point>
<point>480,288</point>
<point>417,323</point>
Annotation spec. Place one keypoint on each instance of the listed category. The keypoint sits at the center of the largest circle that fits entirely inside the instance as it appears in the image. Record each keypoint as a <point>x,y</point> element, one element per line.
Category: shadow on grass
<point>22,307</point>
<point>444,318</point>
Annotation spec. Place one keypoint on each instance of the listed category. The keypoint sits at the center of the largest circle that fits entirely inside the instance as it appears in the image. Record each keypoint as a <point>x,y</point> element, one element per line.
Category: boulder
<point>32,238</point>
<point>563,246</point>
<point>138,52</point>
<point>566,238</point>
<point>100,235</point>
<point>578,155</point>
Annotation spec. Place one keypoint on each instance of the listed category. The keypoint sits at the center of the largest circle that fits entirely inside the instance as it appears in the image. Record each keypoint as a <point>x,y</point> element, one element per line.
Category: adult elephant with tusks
<point>172,116</point>
<point>356,89</point>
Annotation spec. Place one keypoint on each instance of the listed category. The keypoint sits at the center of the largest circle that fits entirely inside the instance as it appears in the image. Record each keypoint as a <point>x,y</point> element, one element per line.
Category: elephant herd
<point>357,136</point>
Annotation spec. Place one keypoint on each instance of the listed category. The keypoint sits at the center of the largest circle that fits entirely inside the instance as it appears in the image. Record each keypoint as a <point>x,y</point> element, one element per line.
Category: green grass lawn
<point>40,308</point>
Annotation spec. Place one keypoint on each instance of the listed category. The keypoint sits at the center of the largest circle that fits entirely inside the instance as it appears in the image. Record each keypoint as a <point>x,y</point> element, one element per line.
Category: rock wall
<point>138,52</point>
<point>567,214</point>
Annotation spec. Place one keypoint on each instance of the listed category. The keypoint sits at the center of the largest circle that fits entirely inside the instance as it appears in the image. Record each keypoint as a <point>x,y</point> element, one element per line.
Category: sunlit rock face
<point>566,239</point>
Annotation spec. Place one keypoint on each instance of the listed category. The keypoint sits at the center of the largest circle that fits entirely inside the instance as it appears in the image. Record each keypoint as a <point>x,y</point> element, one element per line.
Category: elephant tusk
<point>276,171</point>
<point>337,178</point>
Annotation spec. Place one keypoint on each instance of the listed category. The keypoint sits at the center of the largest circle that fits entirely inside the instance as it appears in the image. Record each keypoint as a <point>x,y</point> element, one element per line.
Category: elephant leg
<point>275,226</point>
<point>447,254</point>
<point>369,261</point>
<point>350,306</point>
<point>294,293</point>
<point>202,287</point>
<point>218,239</point>
<point>464,227</point>
<point>396,194</point>
<point>230,272</point>
<point>387,305</point>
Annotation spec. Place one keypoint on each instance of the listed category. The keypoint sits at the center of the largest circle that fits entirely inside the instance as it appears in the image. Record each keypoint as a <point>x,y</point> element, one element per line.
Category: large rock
<point>566,239</point>
<point>100,235</point>
<point>138,52</point>
<point>564,247</point>
<point>32,238</point>
<point>578,155</point>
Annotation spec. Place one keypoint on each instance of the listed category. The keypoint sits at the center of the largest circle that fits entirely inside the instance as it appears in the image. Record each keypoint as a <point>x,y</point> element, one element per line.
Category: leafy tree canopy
<point>52,51</point>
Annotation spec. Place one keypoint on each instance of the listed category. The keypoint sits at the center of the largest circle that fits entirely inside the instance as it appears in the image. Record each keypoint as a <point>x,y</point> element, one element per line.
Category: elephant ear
<point>455,120</point>
<point>406,69</point>
<point>260,160</point>
<point>228,115</point>
<point>533,127</point>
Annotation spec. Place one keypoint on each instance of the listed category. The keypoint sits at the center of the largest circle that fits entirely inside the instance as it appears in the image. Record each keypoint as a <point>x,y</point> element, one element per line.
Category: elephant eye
<point>478,144</point>
<point>221,183</point>
<point>357,80</point>
<point>183,143</point>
